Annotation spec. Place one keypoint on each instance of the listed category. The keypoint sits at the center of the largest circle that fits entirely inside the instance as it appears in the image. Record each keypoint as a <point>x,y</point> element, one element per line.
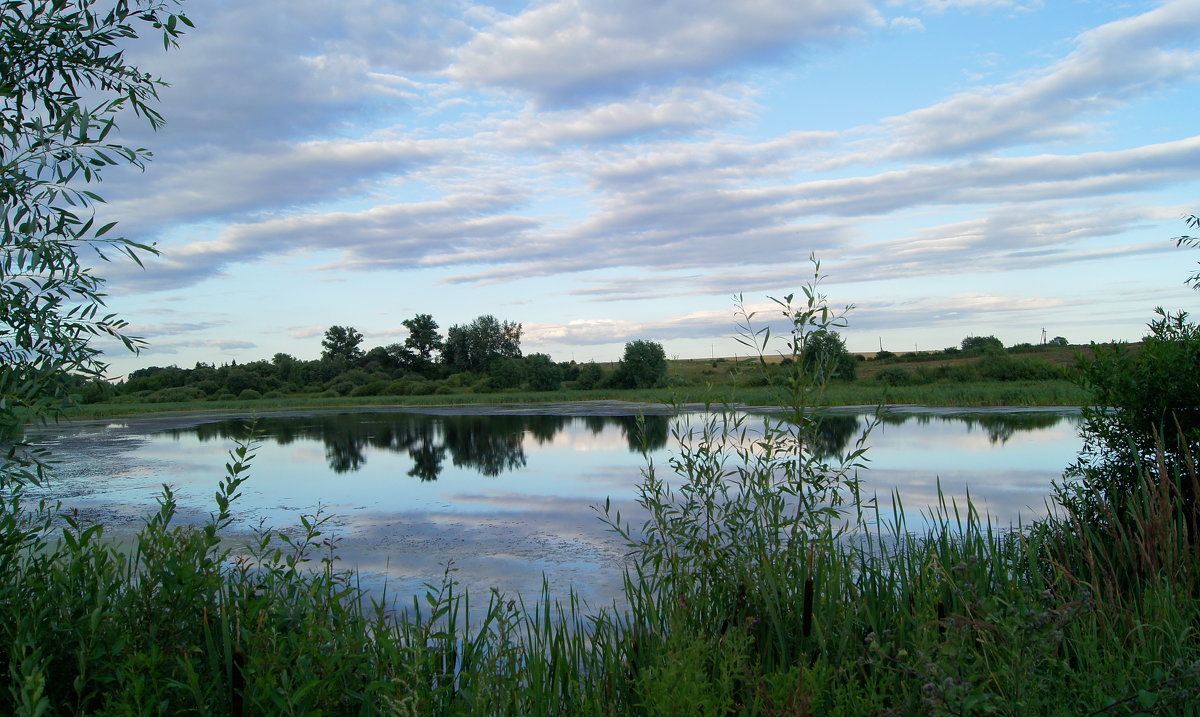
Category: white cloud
<point>566,51</point>
<point>940,6</point>
<point>1111,65</point>
<point>704,222</point>
<point>385,236</point>
<point>907,24</point>
<point>678,110</point>
<point>202,185</point>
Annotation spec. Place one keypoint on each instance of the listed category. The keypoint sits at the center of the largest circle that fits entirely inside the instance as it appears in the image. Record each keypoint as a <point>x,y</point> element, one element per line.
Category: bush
<point>590,375</point>
<point>894,376</point>
<point>979,344</point>
<point>505,373</point>
<point>397,388</point>
<point>1144,412</point>
<point>423,388</point>
<point>180,394</point>
<point>1002,367</point>
<point>543,374</point>
<point>373,388</point>
<point>643,365</point>
<point>249,394</point>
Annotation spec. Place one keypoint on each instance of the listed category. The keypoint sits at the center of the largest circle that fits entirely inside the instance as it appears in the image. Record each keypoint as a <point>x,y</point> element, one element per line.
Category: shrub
<point>894,376</point>
<point>543,373</point>
<point>643,365</point>
<point>979,344</point>
<point>1002,367</point>
<point>372,388</point>
<point>397,388</point>
<point>590,375</point>
<point>249,394</point>
<point>209,387</point>
<point>1145,411</point>
<point>423,388</point>
<point>179,394</point>
<point>505,373</point>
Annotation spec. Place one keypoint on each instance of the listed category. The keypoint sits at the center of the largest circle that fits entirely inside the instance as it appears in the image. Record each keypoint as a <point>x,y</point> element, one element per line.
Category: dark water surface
<point>506,492</point>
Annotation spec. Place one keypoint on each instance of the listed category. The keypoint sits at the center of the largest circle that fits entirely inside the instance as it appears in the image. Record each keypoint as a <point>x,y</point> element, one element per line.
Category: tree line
<point>482,356</point>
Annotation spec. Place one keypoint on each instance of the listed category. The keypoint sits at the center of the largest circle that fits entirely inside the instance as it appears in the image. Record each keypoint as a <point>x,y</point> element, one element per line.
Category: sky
<point>603,171</point>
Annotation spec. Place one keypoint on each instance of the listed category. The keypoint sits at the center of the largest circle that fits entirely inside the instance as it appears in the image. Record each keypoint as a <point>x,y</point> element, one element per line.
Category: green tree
<point>64,82</point>
<point>478,345</point>
<point>543,373</point>
<point>590,375</point>
<point>423,341</point>
<point>508,373</point>
<point>1139,399</point>
<point>982,343</point>
<point>643,365</point>
<point>341,345</point>
<point>825,354</point>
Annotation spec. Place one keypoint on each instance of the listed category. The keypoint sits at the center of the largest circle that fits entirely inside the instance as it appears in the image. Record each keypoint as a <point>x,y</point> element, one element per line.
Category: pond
<point>505,494</point>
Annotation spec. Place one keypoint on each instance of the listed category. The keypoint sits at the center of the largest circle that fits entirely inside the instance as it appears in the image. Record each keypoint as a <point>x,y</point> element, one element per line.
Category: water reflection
<point>491,445</point>
<point>1000,427</point>
<point>486,444</point>
<point>509,497</point>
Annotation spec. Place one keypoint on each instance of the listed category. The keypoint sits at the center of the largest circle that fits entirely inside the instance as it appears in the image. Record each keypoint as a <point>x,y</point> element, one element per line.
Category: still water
<point>504,495</point>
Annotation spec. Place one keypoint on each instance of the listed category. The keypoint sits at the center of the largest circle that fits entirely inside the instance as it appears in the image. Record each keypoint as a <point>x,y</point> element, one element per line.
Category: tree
<point>825,352</point>
<point>982,343</point>
<point>341,344</point>
<point>643,365</point>
<point>543,373</point>
<point>423,340</point>
<point>1144,408</point>
<point>1059,341</point>
<point>590,375</point>
<point>63,84</point>
<point>478,345</point>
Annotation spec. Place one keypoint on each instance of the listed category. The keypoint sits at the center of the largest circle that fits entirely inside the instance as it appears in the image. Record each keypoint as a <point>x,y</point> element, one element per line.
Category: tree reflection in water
<point>495,444</point>
<point>488,444</point>
<point>1000,427</point>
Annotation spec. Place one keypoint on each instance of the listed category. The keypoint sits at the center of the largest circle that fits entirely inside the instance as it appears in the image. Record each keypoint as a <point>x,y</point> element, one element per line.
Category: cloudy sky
<point>609,170</point>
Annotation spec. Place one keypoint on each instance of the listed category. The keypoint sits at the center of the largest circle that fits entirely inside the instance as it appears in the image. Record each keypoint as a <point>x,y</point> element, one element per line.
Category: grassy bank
<point>980,393</point>
<point>1034,376</point>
